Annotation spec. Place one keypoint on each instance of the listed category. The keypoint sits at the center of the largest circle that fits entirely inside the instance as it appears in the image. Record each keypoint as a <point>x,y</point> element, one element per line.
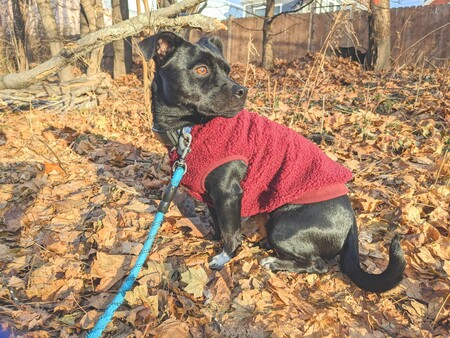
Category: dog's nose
<point>239,91</point>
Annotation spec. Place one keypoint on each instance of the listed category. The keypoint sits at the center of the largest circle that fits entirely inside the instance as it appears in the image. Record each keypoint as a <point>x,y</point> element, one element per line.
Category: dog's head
<point>192,78</point>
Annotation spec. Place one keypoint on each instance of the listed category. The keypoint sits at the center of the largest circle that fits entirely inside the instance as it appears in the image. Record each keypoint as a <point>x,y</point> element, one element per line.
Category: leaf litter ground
<point>79,190</point>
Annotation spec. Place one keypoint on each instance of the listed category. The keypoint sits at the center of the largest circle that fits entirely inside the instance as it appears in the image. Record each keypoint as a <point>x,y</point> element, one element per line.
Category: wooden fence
<point>417,34</point>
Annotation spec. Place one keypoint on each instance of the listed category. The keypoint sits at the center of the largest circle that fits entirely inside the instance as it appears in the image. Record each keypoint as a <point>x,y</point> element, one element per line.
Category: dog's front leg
<point>223,186</point>
<point>214,224</point>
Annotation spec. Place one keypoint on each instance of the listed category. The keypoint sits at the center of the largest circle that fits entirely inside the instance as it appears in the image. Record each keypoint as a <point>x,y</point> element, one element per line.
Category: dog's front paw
<point>219,261</point>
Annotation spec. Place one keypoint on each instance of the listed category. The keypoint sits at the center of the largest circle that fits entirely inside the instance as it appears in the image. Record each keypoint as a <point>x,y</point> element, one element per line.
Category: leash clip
<point>183,148</point>
<point>184,142</point>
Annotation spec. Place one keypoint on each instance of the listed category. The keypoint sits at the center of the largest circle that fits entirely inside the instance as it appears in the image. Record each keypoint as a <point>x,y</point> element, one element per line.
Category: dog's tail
<point>375,283</point>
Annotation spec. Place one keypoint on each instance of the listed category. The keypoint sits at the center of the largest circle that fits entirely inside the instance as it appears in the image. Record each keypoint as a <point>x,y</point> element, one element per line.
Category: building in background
<point>222,9</point>
<point>258,7</point>
<point>436,2</point>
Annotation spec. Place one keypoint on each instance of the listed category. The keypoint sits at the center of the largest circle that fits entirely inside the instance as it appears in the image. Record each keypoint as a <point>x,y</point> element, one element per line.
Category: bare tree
<point>85,15</point>
<point>379,35</point>
<point>3,54</point>
<point>267,52</point>
<point>268,34</point>
<point>51,31</point>
<point>88,22</point>
<point>19,35</point>
<point>122,48</point>
<point>92,19</point>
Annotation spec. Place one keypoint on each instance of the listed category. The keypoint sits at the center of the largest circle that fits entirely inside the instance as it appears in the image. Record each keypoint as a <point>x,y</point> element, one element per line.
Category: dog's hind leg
<point>304,236</point>
<point>296,253</point>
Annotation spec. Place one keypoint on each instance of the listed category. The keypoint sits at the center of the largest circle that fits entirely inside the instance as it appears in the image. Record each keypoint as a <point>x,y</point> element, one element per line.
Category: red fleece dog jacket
<point>282,166</point>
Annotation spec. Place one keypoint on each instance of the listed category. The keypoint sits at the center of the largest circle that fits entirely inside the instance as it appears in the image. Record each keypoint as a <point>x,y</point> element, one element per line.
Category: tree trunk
<point>267,52</point>
<point>92,15</point>
<point>51,31</point>
<point>379,35</point>
<point>147,76</point>
<point>97,55</point>
<point>19,37</point>
<point>3,55</point>
<point>92,20</point>
<point>84,21</point>
<point>122,48</point>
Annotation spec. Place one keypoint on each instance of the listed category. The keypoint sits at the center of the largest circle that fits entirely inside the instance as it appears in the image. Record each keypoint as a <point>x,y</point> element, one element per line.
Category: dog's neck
<point>172,118</point>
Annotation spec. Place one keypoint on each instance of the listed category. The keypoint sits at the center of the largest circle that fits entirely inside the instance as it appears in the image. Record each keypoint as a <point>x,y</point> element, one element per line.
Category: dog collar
<point>172,139</point>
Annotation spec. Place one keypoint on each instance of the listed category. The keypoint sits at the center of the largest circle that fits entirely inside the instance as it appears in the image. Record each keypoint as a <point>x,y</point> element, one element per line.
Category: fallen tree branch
<point>85,92</point>
<point>89,42</point>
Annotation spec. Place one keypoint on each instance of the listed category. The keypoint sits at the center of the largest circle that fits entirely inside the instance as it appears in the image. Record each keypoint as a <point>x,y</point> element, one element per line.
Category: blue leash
<point>171,189</point>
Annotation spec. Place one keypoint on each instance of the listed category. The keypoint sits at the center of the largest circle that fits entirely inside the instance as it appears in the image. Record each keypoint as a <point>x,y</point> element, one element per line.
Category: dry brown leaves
<point>79,191</point>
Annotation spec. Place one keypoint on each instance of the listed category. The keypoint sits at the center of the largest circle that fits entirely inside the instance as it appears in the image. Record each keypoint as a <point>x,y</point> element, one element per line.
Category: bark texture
<point>52,34</point>
<point>379,35</point>
<point>19,36</point>
<point>267,53</point>
<point>92,15</point>
<point>122,48</point>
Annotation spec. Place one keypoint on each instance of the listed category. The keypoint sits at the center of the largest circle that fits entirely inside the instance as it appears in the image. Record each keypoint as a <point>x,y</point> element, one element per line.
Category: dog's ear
<point>160,46</point>
<point>214,43</point>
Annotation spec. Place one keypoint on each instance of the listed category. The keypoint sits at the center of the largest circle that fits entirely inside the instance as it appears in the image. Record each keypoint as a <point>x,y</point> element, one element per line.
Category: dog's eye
<point>201,70</point>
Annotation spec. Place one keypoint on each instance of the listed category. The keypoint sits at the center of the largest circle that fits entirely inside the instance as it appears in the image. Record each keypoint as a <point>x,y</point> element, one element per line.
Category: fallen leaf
<point>110,269</point>
<point>245,303</point>
<point>53,167</point>
<point>5,254</point>
<point>16,283</point>
<point>171,328</point>
<point>138,295</point>
<point>13,219</point>
<point>43,282</point>
<point>196,279</point>
<point>426,256</point>
<point>414,215</point>
<point>139,206</point>
<point>89,319</point>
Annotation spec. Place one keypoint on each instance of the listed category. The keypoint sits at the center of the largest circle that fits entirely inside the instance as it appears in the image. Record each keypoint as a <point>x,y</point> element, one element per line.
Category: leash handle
<point>96,332</point>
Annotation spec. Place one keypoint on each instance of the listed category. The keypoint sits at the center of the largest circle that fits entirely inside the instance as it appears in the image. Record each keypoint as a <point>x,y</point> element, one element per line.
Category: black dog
<point>192,88</point>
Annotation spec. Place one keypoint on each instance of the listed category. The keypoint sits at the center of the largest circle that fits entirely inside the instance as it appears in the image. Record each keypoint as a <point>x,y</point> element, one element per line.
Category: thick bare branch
<point>155,20</point>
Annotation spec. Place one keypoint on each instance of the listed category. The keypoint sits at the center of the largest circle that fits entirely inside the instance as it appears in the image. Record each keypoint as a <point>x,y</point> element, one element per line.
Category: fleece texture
<point>282,166</point>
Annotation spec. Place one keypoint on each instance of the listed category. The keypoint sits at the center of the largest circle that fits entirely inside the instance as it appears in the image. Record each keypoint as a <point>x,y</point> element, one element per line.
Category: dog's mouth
<point>232,113</point>
<point>227,113</point>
